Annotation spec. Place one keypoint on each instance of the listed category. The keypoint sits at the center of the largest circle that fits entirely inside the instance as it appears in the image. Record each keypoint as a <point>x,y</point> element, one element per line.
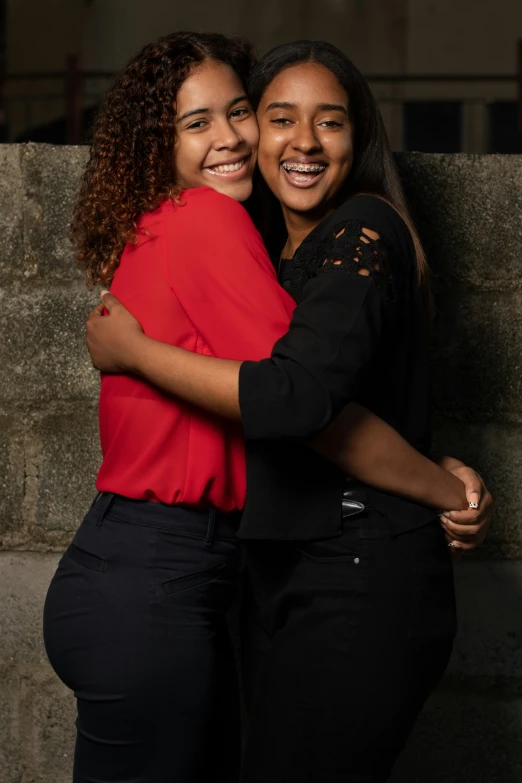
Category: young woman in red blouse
<point>134,619</point>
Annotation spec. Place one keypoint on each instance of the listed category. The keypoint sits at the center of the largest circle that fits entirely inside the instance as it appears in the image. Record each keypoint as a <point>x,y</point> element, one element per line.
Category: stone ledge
<point>51,178</point>
<point>11,213</point>
<point>43,354</point>
<point>467,208</point>
<point>477,358</point>
<point>53,457</point>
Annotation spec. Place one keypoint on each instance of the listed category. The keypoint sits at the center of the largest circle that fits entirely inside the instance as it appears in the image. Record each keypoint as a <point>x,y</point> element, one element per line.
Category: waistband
<point>401,514</point>
<point>208,523</point>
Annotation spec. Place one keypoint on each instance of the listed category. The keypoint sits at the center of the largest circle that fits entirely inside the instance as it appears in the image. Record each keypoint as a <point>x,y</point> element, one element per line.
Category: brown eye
<point>331,124</point>
<point>240,113</point>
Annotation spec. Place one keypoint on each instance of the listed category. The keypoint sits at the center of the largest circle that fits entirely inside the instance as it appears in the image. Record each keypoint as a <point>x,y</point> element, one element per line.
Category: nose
<point>226,135</point>
<point>305,138</point>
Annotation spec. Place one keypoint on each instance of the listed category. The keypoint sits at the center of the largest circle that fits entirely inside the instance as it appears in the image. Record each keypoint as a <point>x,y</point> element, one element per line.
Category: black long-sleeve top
<point>359,333</point>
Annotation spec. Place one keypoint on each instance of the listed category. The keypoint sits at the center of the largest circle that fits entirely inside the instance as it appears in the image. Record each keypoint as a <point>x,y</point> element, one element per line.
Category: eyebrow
<point>321,106</point>
<point>332,107</point>
<point>207,111</point>
<point>281,105</point>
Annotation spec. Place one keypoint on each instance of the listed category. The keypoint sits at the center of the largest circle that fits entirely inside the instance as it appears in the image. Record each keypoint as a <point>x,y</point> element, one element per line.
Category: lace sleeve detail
<point>356,250</point>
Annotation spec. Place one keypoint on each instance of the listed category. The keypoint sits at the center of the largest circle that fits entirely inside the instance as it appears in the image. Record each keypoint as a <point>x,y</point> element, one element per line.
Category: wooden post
<point>3,46</point>
<point>73,97</point>
<point>519,93</point>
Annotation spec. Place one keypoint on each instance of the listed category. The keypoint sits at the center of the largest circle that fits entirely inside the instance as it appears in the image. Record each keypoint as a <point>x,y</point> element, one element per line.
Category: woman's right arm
<point>366,448</point>
<point>358,442</point>
<point>219,270</point>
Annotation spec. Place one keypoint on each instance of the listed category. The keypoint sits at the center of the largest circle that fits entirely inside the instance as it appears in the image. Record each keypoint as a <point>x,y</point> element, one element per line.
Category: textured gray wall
<point>469,213</point>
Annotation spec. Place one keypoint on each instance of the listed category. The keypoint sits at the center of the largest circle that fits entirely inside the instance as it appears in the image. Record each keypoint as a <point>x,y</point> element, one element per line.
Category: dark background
<point>447,74</point>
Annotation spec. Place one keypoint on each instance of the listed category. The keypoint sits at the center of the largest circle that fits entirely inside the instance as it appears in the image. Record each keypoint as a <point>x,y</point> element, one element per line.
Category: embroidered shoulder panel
<point>350,248</point>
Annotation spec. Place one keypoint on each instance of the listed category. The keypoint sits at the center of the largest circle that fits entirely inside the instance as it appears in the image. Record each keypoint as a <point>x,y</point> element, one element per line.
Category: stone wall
<point>469,213</point>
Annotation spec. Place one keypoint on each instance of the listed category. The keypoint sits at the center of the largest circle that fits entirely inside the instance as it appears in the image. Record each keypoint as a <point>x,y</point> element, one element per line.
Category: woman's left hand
<point>467,530</point>
<point>113,340</point>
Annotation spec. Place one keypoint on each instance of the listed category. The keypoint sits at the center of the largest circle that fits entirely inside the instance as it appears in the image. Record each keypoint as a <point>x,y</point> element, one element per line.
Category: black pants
<point>134,623</point>
<point>347,638</point>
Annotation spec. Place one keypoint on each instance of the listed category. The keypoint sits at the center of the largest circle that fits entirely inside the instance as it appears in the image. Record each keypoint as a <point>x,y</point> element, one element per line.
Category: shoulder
<point>377,215</point>
<point>211,211</point>
<point>367,238</point>
<point>203,209</point>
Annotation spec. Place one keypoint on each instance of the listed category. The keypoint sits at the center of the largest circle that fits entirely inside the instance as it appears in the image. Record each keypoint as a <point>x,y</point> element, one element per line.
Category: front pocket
<point>345,548</point>
<point>354,558</point>
<point>191,581</point>
<point>93,562</point>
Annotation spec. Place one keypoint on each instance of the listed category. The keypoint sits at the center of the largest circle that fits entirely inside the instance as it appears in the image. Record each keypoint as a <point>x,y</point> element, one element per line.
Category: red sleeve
<point>221,273</point>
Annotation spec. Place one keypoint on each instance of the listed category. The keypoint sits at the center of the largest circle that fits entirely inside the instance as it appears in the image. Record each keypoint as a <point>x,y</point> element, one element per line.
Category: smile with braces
<point>313,168</point>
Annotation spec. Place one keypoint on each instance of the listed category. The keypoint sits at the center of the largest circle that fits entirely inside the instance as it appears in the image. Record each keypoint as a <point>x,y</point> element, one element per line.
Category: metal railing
<point>73,91</point>
<point>34,99</point>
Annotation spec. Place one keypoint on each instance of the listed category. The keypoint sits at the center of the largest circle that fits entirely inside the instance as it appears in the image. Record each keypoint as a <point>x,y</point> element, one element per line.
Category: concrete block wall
<point>469,213</point>
<point>49,451</point>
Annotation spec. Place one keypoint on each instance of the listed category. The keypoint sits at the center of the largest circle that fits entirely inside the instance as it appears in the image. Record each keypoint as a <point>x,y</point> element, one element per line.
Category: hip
<point>142,552</point>
<point>364,573</point>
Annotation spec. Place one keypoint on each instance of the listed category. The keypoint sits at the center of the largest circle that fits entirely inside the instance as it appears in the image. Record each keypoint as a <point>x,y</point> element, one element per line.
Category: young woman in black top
<point>351,590</point>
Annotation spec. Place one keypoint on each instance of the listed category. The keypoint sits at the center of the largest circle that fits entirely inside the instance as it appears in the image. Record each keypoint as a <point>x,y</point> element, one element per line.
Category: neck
<point>298,226</point>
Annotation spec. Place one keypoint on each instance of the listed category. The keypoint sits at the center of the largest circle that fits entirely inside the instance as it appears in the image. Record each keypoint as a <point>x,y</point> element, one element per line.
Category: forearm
<point>360,443</point>
<point>208,382</point>
<point>368,449</point>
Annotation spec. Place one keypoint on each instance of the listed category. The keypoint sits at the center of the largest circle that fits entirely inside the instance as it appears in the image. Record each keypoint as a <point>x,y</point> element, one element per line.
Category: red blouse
<point>200,278</point>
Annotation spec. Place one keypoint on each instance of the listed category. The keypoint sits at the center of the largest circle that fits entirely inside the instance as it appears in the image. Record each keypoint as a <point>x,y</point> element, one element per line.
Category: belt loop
<point>211,527</point>
<point>102,506</point>
<point>96,498</point>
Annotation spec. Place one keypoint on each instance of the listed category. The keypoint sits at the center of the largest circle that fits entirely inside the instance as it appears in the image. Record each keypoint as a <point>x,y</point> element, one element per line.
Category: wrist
<point>136,350</point>
<point>450,463</point>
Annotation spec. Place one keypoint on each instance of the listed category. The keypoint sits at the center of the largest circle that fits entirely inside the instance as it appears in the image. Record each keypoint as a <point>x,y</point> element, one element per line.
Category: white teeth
<point>312,168</point>
<point>226,168</point>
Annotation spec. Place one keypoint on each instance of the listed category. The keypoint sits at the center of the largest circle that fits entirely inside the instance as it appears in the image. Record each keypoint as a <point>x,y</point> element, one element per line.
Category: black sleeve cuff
<point>281,399</point>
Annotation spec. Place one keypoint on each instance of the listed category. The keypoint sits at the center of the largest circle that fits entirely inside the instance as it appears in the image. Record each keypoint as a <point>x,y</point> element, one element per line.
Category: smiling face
<point>216,132</point>
<point>306,143</point>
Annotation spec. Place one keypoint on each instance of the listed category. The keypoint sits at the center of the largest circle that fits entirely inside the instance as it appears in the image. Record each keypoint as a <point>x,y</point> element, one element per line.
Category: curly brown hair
<point>130,169</point>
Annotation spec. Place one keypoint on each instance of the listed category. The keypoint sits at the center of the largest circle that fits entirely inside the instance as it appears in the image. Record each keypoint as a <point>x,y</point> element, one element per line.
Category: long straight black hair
<point>374,170</point>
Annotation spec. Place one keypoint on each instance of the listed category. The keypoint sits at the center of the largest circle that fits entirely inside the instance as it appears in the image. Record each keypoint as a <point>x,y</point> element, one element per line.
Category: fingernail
<point>102,293</point>
<point>473,505</point>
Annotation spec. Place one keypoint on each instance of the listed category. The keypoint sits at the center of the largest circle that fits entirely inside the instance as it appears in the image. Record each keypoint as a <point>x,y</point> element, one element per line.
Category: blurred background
<point>447,73</point>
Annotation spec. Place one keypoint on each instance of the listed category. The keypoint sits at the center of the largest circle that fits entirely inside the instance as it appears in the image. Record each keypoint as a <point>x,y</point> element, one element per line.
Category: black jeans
<point>347,638</point>
<point>134,623</point>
